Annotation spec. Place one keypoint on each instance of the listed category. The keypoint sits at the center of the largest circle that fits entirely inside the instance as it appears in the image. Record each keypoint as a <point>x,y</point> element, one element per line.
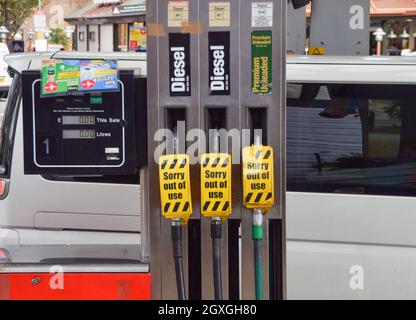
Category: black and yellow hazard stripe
<point>216,206</point>
<point>176,207</point>
<point>263,155</point>
<point>216,161</point>
<point>258,197</point>
<point>173,164</point>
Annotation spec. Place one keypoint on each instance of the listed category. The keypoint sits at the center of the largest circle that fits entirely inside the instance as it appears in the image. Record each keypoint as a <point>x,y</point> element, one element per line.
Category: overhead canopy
<point>109,11</point>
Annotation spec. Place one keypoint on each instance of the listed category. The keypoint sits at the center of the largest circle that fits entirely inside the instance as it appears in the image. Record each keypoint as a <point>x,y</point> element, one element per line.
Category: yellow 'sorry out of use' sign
<point>258,177</point>
<point>175,188</point>
<point>216,198</point>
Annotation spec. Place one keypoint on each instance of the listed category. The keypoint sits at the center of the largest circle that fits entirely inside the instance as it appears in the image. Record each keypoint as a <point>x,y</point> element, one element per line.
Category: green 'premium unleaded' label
<point>261,62</point>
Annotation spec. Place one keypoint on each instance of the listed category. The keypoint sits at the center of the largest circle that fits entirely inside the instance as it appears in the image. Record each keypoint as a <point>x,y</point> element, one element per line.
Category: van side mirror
<point>11,72</point>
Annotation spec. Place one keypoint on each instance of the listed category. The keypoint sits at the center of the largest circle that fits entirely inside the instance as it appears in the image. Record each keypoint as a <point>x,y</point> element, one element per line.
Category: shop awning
<point>108,11</point>
<point>390,8</point>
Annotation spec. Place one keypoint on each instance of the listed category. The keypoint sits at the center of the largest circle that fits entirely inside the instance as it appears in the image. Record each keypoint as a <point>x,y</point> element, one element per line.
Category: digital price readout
<point>75,120</point>
<point>80,133</point>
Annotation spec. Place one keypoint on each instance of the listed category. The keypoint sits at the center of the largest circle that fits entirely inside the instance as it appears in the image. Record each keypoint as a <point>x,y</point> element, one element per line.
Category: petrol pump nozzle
<point>176,204</point>
<point>216,201</point>
<point>258,234</point>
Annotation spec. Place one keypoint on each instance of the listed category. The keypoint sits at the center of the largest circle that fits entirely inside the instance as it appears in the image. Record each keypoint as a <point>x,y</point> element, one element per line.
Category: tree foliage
<point>13,13</point>
<point>58,36</point>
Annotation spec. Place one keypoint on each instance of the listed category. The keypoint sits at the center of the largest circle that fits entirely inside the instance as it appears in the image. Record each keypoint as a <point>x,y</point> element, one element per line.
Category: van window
<point>8,126</point>
<point>351,139</point>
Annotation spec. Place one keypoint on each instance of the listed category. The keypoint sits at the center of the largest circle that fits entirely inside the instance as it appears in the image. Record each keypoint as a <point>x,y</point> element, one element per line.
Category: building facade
<point>55,11</point>
<point>110,25</point>
<point>398,20</point>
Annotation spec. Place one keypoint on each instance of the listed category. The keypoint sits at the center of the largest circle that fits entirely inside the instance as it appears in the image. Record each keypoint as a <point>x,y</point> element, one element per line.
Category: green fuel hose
<point>258,257</point>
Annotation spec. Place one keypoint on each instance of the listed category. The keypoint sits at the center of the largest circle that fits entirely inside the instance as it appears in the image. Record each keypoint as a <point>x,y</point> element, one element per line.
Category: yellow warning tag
<point>216,185</point>
<point>175,189</point>
<point>317,51</point>
<point>258,181</point>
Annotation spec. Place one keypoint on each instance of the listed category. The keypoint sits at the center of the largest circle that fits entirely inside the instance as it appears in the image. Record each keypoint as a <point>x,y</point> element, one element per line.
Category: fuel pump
<point>220,63</point>
<point>258,189</point>
<point>216,201</point>
<point>176,204</point>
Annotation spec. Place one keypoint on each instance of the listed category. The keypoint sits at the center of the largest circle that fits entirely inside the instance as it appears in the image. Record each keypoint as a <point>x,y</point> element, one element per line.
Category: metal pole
<point>378,48</point>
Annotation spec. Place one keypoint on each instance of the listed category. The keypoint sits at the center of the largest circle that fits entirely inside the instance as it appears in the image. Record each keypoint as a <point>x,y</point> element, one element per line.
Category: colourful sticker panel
<point>64,76</point>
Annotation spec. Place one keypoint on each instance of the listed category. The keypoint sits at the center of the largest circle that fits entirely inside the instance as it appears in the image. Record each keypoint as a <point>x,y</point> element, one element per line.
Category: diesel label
<point>219,63</point>
<point>179,64</point>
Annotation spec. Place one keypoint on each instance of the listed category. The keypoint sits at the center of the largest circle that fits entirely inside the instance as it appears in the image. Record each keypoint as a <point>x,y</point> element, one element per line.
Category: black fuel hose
<point>216,234</point>
<point>178,257</point>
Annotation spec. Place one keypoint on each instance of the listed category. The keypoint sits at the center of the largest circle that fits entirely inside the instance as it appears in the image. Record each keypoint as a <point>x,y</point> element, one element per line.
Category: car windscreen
<point>8,125</point>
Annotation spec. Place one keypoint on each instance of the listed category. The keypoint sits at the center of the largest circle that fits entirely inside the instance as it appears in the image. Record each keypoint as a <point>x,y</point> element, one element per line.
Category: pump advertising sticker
<point>99,75</point>
<point>261,62</point>
<point>60,77</point>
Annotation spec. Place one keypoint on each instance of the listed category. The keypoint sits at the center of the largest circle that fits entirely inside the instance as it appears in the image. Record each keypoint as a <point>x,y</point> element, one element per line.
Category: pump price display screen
<point>72,131</point>
<point>80,133</point>
<point>75,120</point>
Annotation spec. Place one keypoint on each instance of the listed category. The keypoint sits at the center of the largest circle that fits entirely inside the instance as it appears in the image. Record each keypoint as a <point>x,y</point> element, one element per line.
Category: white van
<point>43,218</point>
<point>351,172</point>
<point>351,179</point>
